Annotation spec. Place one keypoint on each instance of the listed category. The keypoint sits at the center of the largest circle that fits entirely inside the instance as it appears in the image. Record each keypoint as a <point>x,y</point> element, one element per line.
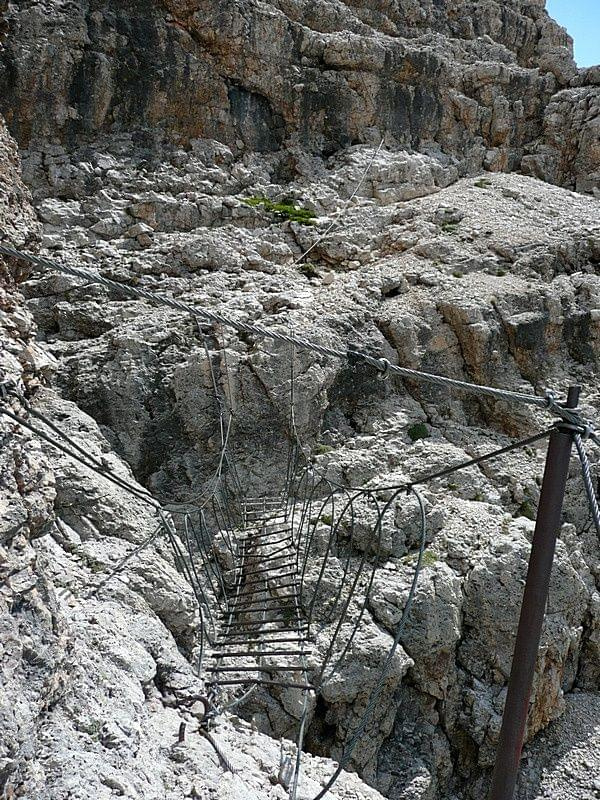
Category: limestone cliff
<point>143,127</point>
<point>476,84</point>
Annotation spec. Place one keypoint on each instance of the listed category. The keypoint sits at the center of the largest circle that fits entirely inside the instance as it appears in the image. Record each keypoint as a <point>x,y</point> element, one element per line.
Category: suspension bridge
<point>281,585</point>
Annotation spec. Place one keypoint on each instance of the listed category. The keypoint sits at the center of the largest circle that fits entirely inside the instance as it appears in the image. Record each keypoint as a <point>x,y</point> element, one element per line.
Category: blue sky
<point>582,19</point>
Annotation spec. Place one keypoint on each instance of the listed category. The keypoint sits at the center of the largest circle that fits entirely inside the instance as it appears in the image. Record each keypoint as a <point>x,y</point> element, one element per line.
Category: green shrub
<point>450,227</point>
<point>418,431</point>
<point>527,509</point>
<point>483,183</point>
<point>283,211</point>
<point>309,270</point>
<point>429,558</point>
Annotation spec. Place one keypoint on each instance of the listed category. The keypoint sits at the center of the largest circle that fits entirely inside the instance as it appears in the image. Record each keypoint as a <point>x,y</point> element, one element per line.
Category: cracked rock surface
<point>476,84</point>
<point>491,277</point>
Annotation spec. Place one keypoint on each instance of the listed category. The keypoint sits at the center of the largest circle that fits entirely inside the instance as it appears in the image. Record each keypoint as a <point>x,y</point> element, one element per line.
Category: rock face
<point>475,84</point>
<point>568,152</point>
<point>491,279</point>
<point>95,679</point>
<point>144,128</point>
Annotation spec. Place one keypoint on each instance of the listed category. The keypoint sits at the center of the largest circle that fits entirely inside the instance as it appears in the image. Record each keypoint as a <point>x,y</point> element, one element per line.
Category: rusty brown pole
<point>535,597</point>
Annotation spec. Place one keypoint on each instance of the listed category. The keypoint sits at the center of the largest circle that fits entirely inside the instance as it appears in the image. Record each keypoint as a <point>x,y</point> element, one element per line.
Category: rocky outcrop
<point>568,152</point>
<point>144,129</point>
<point>492,279</point>
<point>97,675</point>
<point>474,84</point>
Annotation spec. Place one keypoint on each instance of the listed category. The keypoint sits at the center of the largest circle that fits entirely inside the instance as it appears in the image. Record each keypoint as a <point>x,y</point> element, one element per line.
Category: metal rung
<point>266,517</point>
<point>268,592</point>
<point>292,563</point>
<point>287,539</point>
<point>260,580</point>
<point>282,609</point>
<point>269,511</point>
<point>252,537</point>
<point>253,630</point>
<point>252,608</point>
<point>285,575</point>
<point>241,623</point>
<point>269,569</point>
<point>278,640</point>
<point>268,599</point>
<point>261,668</point>
<point>272,556</point>
<point>264,683</point>
<point>268,589</point>
<point>259,603</point>
<point>227,625</point>
<point>252,654</point>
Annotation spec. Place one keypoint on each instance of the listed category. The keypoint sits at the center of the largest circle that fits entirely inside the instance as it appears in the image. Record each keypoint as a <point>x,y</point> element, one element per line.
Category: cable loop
<point>550,398</point>
<point>384,369</point>
<point>583,427</point>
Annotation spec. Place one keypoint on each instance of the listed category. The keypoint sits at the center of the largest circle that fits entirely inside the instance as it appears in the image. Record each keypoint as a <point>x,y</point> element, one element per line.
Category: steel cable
<point>382,365</point>
<point>588,483</point>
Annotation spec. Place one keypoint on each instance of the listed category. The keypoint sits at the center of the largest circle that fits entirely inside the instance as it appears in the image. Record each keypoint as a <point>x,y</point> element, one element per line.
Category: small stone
<point>138,229</point>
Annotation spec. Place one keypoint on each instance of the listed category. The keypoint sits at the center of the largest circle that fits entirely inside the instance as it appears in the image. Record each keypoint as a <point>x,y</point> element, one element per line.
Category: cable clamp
<point>559,409</point>
<point>588,429</point>
<point>584,428</point>
<point>384,372</point>
<point>550,399</point>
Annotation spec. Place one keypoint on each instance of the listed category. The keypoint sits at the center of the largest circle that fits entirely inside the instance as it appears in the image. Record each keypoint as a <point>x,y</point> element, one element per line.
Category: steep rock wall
<point>468,81</point>
<point>494,280</point>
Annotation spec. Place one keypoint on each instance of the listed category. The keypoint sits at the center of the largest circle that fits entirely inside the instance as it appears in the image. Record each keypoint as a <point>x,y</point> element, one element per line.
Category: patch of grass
<point>457,274</point>
<point>309,270</point>
<point>284,211</point>
<point>483,183</point>
<point>287,615</point>
<point>527,509</point>
<point>429,558</point>
<point>326,519</point>
<point>322,449</point>
<point>450,227</point>
<point>418,431</point>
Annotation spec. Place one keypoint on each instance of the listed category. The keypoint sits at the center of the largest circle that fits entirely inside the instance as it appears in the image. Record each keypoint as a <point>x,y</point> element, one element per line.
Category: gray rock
<point>433,265</point>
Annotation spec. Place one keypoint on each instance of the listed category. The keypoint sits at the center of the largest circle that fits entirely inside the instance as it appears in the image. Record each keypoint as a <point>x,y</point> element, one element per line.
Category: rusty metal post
<point>535,597</point>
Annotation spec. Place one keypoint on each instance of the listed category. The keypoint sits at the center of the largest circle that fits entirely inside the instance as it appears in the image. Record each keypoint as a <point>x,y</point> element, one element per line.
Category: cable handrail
<point>547,402</point>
